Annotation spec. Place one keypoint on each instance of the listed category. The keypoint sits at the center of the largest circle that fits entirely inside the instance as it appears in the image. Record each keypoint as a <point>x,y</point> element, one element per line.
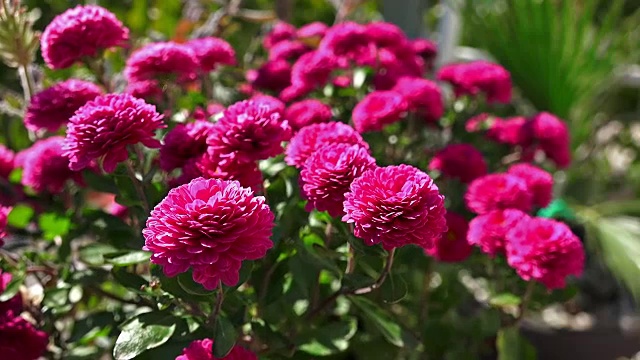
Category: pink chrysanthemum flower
<point>51,108</point>
<point>426,49</point>
<point>183,143</point>
<point>7,161</point>
<point>19,340</point>
<point>385,34</point>
<point>422,95</point>
<point>312,137</point>
<point>394,64</point>
<point>349,42</point>
<point>248,131</point>
<point>476,77</point>
<point>145,89</point>
<point>546,251</point>
<point>496,192</point>
<point>4,214</point>
<point>378,109</point>
<point>312,70</point>
<point>514,131</point>
<point>539,182</point>
<point>203,350</point>
<point>161,61</point>
<point>459,161</point>
<point>272,75</point>
<point>281,31</point>
<point>489,231</point>
<point>80,32</point>
<point>553,136</point>
<point>211,226</point>
<point>274,103</point>
<point>329,172</point>
<point>288,50</point>
<point>452,246</point>
<point>312,33</point>
<point>104,127</point>
<point>46,168</point>
<point>246,173</point>
<point>395,206</point>
<point>307,112</point>
<point>211,52</point>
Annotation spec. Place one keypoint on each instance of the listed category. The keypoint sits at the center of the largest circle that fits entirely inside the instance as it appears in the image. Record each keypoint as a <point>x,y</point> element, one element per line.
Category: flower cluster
<point>479,77</point>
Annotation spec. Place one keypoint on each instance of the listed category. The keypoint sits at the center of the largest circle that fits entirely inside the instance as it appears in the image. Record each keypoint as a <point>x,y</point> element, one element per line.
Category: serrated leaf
<point>130,258</point>
<point>225,337</point>
<point>381,319</point>
<point>146,331</point>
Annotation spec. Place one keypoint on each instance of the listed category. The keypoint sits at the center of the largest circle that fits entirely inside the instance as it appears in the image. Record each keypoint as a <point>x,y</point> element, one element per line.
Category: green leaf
<point>394,289</point>
<point>129,280</point>
<point>146,331</point>
<point>94,254</point>
<point>20,216</point>
<point>328,340</point>
<point>130,258</point>
<point>185,280</point>
<point>381,319</point>
<point>12,287</point>
<point>53,225</point>
<point>512,346</point>
<point>504,300</point>
<point>225,337</point>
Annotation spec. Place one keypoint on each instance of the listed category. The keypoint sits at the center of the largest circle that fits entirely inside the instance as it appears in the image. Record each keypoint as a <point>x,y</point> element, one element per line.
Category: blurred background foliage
<point>576,58</point>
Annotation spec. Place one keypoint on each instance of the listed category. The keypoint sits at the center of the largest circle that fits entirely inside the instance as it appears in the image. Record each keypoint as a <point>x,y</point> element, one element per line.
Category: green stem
<point>218,308</point>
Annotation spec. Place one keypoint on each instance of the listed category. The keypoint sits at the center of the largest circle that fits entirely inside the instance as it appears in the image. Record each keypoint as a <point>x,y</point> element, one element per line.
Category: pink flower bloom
<point>145,89</point>
<point>329,172</point>
<point>422,95</point>
<point>104,127</point>
<point>160,61</point>
<point>4,214</point>
<point>211,226</point>
<point>313,31</point>
<point>211,52</point>
<point>349,42</point>
<point>12,307</point>
<point>203,350</point>
<point>248,131</point>
<point>307,112</point>
<point>80,32</point>
<point>7,162</point>
<point>281,31</point>
<point>426,49</point>
<point>246,173</point>
<point>272,75</point>
<point>46,168</point>
<point>539,182</point>
<point>184,142</point>
<point>489,231</point>
<point>378,109</point>
<point>459,161</point>
<point>546,251</point>
<point>553,137</point>
<point>385,34</point>
<point>312,70</point>
<point>51,108</point>
<point>479,122</point>
<point>476,77</point>
<point>288,50</point>
<point>511,131</point>
<point>452,246</point>
<point>274,103</point>
<point>497,192</point>
<point>310,138</point>
<point>395,206</point>
<point>394,64</point>
<point>19,340</point>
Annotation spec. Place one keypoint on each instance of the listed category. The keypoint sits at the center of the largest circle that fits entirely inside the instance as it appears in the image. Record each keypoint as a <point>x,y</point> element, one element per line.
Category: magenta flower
<point>378,109</point>
<point>203,350</point>
<point>395,206</point>
<point>183,143</point>
<point>423,96</point>
<point>4,214</point>
<point>280,32</point>
<point>7,161</point>
<point>459,161</point>
<point>312,32</point>
<point>104,128</point>
<point>489,231</point>
<point>272,75</point>
<point>452,246</point>
<point>288,50</point>
<point>329,172</point>
<point>211,226</point>
<point>46,168</point>
<point>539,182</point>
<point>426,49</point>
<point>19,340</point>
<point>310,138</point>
<point>246,173</point>
<point>498,192</point>
<point>53,107</point>
<point>248,131</point>
<point>349,42</point>
<point>307,112</point>
<point>211,52</point>
<point>312,70</point>
<point>546,251</point>
<point>479,77</point>
<point>80,32</point>
<point>161,61</point>
<point>553,136</point>
<point>145,89</point>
